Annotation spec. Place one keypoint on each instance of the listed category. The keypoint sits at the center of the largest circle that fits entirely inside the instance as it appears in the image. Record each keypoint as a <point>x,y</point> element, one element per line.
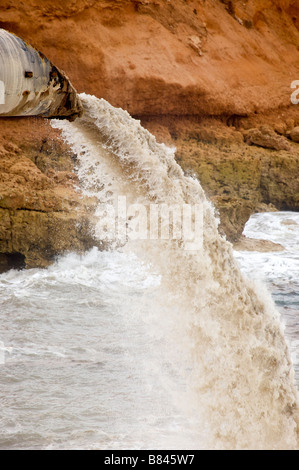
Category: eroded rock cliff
<point>41,212</point>
<point>212,77</point>
<point>177,57</point>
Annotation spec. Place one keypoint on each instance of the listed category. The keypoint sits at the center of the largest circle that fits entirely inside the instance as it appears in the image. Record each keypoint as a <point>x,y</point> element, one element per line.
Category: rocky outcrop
<point>266,137</point>
<point>239,178</point>
<point>41,213</point>
<point>294,134</point>
<point>253,244</point>
<point>212,77</point>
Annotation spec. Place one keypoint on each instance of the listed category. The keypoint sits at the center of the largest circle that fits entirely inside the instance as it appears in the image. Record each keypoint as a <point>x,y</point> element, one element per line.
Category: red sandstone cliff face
<point>205,75</point>
<point>181,57</point>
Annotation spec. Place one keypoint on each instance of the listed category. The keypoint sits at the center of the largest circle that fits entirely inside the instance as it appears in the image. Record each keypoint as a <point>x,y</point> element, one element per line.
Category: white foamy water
<point>147,345</point>
<point>278,270</point>
<point>86,358</point>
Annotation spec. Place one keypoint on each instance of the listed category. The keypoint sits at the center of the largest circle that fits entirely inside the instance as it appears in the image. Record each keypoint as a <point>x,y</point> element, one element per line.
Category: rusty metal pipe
<point>30,85</point>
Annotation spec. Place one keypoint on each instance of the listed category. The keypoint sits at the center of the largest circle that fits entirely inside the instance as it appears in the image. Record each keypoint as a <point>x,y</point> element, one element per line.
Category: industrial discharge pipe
<point>30,85</point>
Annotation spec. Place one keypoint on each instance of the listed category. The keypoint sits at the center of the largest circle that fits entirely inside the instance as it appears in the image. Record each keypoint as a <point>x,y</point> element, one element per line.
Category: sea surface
<point>84,355</point>
<point>83,347</point>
